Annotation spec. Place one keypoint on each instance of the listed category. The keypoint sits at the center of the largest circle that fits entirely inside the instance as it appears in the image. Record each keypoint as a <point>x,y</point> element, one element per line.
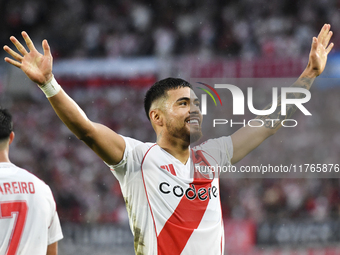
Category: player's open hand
<point>36,66</point>
<point>319,51</point>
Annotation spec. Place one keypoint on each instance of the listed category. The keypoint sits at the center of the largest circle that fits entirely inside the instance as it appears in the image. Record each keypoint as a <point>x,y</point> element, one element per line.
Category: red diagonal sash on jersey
<point>185,219</point>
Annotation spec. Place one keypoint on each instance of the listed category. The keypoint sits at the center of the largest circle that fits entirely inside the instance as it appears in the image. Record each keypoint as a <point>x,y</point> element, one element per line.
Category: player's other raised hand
<point>36,66</point>
<point>319,51</point>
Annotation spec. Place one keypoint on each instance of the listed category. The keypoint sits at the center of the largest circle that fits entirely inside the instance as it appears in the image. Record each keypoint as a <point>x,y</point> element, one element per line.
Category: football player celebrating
<point>172,209</point>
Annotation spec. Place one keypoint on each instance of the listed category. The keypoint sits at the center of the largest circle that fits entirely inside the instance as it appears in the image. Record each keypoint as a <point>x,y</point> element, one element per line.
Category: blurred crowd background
<point>244,30</point>
<point>125,28</point>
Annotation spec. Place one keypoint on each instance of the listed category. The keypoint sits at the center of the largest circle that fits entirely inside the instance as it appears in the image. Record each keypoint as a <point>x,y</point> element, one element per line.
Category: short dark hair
<point>160,88</point>
<point>6,124</point>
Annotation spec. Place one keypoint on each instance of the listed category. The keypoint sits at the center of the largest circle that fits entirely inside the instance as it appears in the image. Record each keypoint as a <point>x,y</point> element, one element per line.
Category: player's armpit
<point>52,249</point>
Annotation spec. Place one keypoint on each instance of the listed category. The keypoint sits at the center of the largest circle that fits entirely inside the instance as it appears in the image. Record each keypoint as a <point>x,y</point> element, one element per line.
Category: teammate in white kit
<point>172,208</point>
<point>29,223</point>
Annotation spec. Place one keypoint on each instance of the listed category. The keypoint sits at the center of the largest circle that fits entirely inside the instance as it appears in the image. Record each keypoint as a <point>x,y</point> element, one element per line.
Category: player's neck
<point>4,148</point>
<point>182,156</point>
<point>176,147</point>
<point>4,157</point>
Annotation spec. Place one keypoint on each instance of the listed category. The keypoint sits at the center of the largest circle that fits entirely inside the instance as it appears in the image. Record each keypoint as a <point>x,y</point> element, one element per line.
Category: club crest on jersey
<point>202,166</point>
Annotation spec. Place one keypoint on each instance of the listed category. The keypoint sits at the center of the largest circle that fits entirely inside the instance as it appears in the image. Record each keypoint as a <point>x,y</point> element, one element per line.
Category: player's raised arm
<point>38,67</point>
<point>248,138</point>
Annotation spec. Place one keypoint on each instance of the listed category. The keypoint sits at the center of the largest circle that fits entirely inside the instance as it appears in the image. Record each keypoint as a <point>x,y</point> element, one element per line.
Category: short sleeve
<point>54,231</point>
<point>220,148</point>
<point>130,159</point>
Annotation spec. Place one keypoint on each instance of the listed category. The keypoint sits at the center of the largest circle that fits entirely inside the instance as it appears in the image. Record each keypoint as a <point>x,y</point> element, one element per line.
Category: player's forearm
<point>107,144</point>
<point>310,74</point>
<point>305,81</point>
<point>71,114</point>
<point>248,138</point>
<point>52,249</point>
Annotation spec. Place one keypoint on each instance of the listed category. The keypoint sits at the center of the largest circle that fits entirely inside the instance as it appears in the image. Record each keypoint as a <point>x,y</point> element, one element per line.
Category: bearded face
<point>183,116</point>
<point>187,129</point>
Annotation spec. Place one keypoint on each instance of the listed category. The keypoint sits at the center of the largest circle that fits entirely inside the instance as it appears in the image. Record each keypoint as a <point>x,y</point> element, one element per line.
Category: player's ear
<point>156,117</point>
<point>11,137</point>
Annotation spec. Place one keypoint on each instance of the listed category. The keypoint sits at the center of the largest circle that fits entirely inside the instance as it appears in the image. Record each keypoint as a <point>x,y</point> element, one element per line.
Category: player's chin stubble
<point>195,135</point>
<point>182,132</point>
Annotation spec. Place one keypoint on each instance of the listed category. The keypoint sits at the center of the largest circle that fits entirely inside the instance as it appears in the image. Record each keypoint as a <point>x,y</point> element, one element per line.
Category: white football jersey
<point>28,216</point>
<point>173,209</point>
